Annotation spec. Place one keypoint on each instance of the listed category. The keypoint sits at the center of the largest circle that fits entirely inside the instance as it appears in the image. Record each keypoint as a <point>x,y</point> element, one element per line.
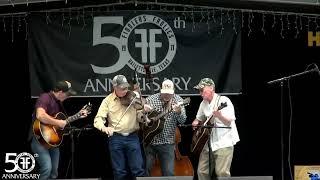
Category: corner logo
<point>23,162</point>
<point>306,172</point>
<point>313,39</point>
<point>149,38</point>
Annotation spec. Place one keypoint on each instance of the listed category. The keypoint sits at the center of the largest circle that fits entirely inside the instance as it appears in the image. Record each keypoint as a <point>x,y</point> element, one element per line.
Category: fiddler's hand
<point>108,130</point>
<point>147,108</point>
<point>176,108</point>
<point>195,123</point>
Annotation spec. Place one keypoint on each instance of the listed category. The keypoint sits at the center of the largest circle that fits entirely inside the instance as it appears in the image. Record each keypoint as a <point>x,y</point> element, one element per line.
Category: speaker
<point>247,178</point>
<point>166,178</point>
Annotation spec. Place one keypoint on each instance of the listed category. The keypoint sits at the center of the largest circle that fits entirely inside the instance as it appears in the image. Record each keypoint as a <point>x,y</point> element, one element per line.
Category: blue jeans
<point>126,157</point>
<point>48,160</point>
<point>165,153</point>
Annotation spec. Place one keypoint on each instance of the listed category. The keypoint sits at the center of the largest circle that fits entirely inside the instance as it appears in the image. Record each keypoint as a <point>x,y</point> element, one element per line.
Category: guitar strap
<point>216,105</point>
<point>59,102</point>
<point>167,108</point>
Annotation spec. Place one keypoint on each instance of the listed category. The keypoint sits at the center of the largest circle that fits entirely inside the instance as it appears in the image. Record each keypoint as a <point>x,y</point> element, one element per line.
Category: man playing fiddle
<point>122,127</point>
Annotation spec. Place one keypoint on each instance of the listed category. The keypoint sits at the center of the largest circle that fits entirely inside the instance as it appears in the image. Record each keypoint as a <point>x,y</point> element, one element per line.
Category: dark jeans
<point>165,153</point>
<point>48,160</point>
<point>126,157</point>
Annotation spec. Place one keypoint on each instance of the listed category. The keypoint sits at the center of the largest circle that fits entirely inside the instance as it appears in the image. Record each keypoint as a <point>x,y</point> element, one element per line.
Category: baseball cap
<point>64,86</point>
<point>167,87</point>
<point>120,81</point>
<point>204,82</point>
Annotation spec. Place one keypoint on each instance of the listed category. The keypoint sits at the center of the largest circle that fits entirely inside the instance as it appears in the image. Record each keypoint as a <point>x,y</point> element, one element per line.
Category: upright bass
<point>182,164</point>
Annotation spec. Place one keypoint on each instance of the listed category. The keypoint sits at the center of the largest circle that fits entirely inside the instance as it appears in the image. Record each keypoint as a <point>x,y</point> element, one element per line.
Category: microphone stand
<point>281,80</point>
<point>71,131</point>
<point>209,127</point>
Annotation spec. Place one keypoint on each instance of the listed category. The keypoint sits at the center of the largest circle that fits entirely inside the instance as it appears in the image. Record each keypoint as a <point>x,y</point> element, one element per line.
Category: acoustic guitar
<point>52,136</point>
<point>156,124</point>
<point>201,135</point>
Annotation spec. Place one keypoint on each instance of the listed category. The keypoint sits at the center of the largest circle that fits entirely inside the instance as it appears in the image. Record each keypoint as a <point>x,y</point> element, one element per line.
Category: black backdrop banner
<point>89,50</point>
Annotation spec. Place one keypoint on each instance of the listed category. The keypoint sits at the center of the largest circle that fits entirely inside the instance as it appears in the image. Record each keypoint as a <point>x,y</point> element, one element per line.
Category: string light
<point>234,22</point>
<point>4,24</point>
<point>281,32</point>
<point>26,27</point>
<point>221,23</point>
<point>83,19</point>
<point>208,20</point>
<point>263,21</point>
<point>69,22</point>
<point>12,31</point>
<point>292,20</point>
<point>296,26</point>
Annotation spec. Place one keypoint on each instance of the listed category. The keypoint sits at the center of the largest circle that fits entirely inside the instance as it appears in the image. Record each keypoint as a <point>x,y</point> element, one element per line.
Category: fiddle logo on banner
<point>148,36</point>
<point>307,172</point>
<point>23,163</point>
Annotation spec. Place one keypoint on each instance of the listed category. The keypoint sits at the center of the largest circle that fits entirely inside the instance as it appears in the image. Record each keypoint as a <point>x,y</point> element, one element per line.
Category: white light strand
<point>263,21</point>
<point>12,31</point>
<point>228,17</point>
<point>308,24</point>
<point>26,27</point>
<point>202,17</point>
<point>249,22</point>
<point>234,22</point>
<point>193,24</point>
<point>281,32</point>
<point>48,18</point>
<point>11,3</point>
<point>213,16</point>
<point>274,21</point>
<point>208,21</point>
<point>83,20</point>
<point>63,19</point>
<point>184,13</point>
<point>297,28</point>
<point>4,24</point>
<point>19,24</point>
<point>69,22</point>
<point>242,20</point>
<point>288,23</point>
<point>78,17</point>
<point>311,23</point>
<point>221,23</point>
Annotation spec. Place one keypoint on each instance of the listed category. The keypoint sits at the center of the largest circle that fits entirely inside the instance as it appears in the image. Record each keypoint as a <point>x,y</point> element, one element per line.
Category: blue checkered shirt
<point>167,136</point>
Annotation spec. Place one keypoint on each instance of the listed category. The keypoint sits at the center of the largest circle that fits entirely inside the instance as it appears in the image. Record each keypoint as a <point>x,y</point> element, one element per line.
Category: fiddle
<point>132,98</point>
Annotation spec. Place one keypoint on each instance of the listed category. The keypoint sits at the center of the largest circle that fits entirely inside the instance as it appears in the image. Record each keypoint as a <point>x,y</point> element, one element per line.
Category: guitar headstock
<point>222,105</point>
<point>185,102</point>
<point>87,108</point>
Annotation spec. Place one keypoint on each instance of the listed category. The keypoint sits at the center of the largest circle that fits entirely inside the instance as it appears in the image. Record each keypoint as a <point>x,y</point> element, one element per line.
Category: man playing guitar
<point>222,139</point>
<point>162,144</point>
<point>47,106</point>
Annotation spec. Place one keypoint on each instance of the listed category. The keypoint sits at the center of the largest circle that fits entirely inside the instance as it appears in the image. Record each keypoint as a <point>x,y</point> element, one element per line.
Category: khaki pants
<point>220,162</point>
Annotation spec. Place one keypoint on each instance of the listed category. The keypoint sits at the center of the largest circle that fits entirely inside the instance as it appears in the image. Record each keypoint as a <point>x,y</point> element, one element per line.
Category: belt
<point>125,134</point>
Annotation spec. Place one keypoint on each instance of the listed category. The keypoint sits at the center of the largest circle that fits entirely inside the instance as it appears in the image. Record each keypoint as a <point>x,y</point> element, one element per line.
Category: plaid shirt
<point>167,136</point>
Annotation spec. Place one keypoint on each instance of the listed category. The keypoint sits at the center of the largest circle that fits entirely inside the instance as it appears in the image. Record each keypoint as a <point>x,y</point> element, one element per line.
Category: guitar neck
<point>74,117</point>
